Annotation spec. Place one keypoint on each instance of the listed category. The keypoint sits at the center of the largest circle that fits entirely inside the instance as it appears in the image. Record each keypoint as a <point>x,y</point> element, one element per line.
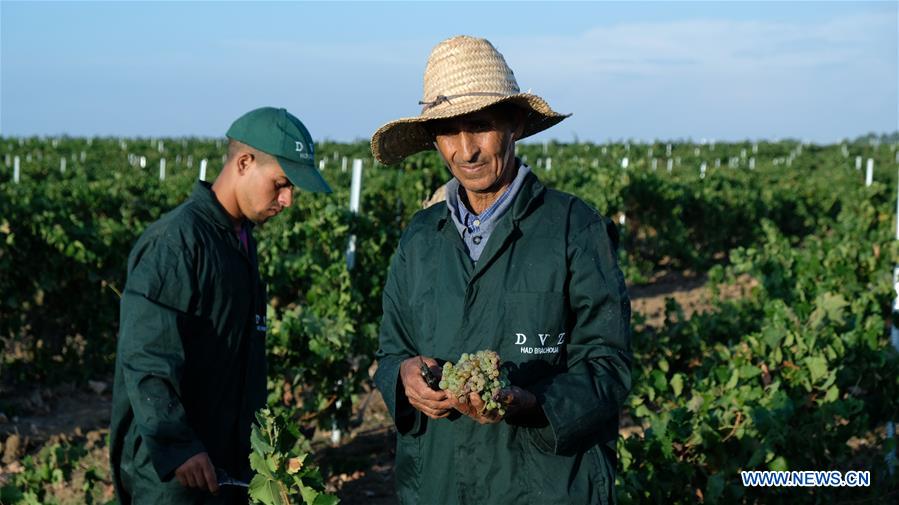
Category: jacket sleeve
<point>158,292</point>
<point>395,346</point>
<point>583,403</point>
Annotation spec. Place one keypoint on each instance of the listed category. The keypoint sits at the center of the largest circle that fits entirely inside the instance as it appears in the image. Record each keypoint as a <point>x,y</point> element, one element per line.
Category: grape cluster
<point>475,373</point>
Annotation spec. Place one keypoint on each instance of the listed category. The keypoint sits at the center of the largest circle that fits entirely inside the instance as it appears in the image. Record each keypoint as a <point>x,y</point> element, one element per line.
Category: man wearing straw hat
<point>509,265</point>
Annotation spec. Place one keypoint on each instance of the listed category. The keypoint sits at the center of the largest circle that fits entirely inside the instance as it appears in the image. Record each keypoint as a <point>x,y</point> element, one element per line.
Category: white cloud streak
<point>659,48</point>
<point>718,77</point>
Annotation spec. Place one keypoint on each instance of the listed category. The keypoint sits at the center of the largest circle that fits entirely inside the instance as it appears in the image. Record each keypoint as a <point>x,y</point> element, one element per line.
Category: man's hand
<point>198,472</point>
<point>434,404</point>
<point>513,399</point>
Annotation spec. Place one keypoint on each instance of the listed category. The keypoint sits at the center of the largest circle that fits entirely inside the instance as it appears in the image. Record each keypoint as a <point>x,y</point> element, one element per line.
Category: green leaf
<point>830,306</point>
<point>677,384</point>
<point>259,465</point>
<point>326,499</point>
<point>659,381</point>
<point>749,371</point>
<point>757,457</point>
<point>772,336</point>
<point>267,491</point>
<point>273,461</point>
<point>714,488</point>
<point>275,483</point>
<point>732,382</point>
<point>309,495</point>
<point>695,403</point>
<point>779,464</point>
<point>258,442</point>
<point>642,412</point>
<point>31,498</point>
<point>817,367</point>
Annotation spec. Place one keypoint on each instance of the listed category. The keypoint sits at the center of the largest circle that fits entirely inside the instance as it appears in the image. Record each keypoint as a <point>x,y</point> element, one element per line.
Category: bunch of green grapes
<point>475,373</point>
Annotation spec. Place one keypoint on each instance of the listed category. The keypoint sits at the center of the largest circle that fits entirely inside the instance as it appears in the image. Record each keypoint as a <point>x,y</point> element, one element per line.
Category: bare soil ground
<point>359,468</point>
<point>690,290</point>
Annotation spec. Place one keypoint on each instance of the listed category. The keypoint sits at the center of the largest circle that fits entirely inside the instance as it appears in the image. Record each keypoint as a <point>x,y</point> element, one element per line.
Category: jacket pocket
<point>572,478</point>
<point>534,339</point>
<point>407,468</point>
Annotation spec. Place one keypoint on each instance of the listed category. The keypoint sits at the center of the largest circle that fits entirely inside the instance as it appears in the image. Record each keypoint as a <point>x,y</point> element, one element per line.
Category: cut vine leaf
<point>283,477</point>
<point>268,491</point>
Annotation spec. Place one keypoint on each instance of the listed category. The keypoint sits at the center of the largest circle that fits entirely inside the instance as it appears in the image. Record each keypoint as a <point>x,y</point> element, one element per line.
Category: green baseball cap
<point>280,134</point>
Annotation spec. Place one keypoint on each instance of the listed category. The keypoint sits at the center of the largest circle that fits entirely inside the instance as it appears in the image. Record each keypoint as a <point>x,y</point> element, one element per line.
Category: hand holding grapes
<point>513,400</point>
<point>476,388</point>
<point>434,404</point>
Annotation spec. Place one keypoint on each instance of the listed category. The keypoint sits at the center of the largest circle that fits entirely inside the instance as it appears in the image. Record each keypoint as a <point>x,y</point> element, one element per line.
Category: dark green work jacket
<point>547,294</point>
<point>190,365</point>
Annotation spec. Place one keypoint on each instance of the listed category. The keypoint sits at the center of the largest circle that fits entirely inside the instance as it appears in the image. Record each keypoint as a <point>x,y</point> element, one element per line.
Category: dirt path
<point>689,290</point>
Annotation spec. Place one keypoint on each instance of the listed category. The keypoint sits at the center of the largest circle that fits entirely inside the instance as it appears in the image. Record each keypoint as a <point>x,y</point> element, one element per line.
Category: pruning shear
<point>428,375</point>
<point>226,480</point>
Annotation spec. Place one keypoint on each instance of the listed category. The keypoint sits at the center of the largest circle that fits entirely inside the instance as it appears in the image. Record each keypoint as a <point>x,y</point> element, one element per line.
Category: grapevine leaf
<point>659,382</point>
<point>829,306</point>
<point>326,499</point>
<point>642,412</point>
<point>258,442</point>
<point>832,394</point>
<point>817,367</point>
<point>779,464</point>
<point>757,457</point>
<point>258,463</point>
<point>309,495</point>
<point>715,488</point>
<point>677,384</point>
<point>695,403</point>
<point>732,382</point>
<point>273,461</point>
<point>749,371</point>
<point>267,491</point>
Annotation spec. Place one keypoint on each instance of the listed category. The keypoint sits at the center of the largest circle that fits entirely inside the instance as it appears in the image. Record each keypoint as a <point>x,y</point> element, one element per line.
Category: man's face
<point>478,147</point>
<point>264,190</point>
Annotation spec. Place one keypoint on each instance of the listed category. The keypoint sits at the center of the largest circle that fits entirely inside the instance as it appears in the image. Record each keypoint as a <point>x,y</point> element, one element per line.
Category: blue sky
<point>819,71</point>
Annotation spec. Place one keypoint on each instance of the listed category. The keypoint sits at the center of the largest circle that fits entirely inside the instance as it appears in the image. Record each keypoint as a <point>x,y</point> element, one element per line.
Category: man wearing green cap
<point>190,366</point>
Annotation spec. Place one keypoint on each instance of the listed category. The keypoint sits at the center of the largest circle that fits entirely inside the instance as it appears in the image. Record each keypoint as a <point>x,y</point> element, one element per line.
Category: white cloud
<point>717,77</point>
<point>659,48</point>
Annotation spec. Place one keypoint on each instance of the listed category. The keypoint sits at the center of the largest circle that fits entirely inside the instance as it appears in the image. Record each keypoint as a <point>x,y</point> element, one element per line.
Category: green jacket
<point>190,365</point>
<point>547,294</point>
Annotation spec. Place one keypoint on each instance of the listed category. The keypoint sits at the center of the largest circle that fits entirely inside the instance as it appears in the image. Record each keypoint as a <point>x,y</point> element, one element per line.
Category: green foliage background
<point>783,378</point>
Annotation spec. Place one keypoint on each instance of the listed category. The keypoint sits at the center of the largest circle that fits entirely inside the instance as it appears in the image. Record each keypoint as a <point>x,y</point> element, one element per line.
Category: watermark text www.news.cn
<point>830,478</point>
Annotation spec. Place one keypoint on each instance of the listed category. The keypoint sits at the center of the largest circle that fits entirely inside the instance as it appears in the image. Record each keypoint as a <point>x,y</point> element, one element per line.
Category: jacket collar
<point>209,206</point>
<point>528,195</point>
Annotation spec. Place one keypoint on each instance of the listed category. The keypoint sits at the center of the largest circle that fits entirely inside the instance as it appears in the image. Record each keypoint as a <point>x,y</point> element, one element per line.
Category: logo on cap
<point>299,146</point>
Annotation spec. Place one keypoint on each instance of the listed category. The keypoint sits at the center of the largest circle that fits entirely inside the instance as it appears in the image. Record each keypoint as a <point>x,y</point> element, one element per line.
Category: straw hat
<point>464,74</point>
